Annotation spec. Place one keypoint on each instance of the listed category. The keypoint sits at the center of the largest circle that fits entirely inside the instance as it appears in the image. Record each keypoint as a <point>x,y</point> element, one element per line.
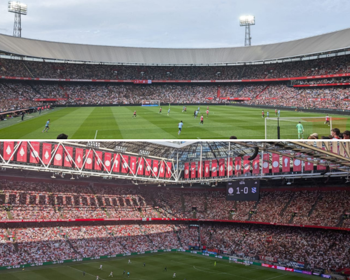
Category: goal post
<point>288,129</point>
<point>150,103</point>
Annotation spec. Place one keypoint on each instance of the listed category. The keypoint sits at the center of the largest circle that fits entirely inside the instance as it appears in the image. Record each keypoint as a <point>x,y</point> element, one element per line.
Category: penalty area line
<point>96,134</point>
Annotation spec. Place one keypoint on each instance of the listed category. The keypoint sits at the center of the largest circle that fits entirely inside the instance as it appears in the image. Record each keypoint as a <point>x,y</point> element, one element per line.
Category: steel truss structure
<point>335,155</point>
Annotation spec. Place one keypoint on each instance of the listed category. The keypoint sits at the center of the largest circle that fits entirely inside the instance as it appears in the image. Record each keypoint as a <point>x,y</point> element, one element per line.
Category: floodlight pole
<point>18,9</point>
<point>17,26</point>
<point>248,39</point>
<point>247,21</point>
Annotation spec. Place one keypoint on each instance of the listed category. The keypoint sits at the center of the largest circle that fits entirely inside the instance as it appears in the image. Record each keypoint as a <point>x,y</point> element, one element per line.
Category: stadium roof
<point>334,157</point>
<point>325,43</point>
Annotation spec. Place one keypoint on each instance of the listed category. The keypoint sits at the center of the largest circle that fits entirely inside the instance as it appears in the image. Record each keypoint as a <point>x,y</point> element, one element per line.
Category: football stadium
<point>167,209</point>
<point>252,92</point>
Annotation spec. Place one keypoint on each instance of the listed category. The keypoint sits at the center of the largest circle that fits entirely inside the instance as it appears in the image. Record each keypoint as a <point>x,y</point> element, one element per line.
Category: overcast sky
<point>175,23</point>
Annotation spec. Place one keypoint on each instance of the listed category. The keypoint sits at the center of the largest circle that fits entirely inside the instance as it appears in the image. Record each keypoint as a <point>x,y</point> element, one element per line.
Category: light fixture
<point>53,176</point>
<point>159,185</point>
<point>72,178</point>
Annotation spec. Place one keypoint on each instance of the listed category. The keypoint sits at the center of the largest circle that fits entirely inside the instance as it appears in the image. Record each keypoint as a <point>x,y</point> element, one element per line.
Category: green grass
<point>187,266</point>
<point>117,123</point>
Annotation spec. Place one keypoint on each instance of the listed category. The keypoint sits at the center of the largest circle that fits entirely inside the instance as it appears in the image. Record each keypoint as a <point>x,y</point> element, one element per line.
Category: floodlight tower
<point>247,21</point>
<point>18,9</point>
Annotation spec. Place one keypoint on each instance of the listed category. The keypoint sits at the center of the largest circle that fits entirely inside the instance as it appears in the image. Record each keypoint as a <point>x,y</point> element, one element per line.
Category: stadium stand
<point>20,95</point>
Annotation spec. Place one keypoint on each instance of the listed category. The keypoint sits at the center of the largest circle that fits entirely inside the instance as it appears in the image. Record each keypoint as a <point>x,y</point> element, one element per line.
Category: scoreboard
<point>244,190</point>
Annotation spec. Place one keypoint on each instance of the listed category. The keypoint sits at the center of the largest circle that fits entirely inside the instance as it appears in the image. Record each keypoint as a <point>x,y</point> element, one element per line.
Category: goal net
<point>288,127</point>
<point>150,103</point>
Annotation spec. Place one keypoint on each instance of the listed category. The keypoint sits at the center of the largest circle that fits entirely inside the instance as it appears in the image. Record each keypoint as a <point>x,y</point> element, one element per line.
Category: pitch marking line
<point>96,134</point>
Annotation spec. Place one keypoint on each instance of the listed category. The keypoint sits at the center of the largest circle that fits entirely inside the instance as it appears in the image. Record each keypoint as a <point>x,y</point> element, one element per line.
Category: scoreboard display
<point>245,190</point>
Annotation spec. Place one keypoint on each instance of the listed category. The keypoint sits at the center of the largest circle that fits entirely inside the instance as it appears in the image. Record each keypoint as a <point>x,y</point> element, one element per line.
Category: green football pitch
<point>117,122</point>
<point>185,266</point>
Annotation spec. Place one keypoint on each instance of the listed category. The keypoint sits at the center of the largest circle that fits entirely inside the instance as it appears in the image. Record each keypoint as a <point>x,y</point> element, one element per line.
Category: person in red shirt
<point>263,113</point>
<point>160,110</point>
<point>202,119</point>
<point>207,113</point>
<point>134,114</point>
<point>327,120</point>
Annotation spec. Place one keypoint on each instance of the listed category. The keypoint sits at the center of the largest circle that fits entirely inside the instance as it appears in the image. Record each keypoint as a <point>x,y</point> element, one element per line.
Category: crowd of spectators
<point>322,66</point>
<point>314,248</point>
<point>20,95</point>
<point>323,81</point>
<point>29,200</point>
<point>40,200</point>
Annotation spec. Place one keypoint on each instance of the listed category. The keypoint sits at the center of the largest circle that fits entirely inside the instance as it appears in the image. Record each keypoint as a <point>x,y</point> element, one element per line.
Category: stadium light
<point>247,21</point>
<point>18,9</point>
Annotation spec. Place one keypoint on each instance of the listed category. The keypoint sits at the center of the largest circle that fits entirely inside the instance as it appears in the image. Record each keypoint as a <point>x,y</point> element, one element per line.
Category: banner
<point>140,166</point>
<point>132,165</point>
<point>116,163</point>
<point>187,170</point>
<point>124,163</point>
<point>246,165</point>
<point>200,170</point>
<point>168,169</point>
<point>230,167</point>
<point>34,149</point>
<point>161,169</point>
<point>108,162</point>
<point>8,150</point>
<point>98,160</point>
<point>214,168</point>
<point>148,167</point>
<point>79,157</point>
<point>68,157</point>
<point>221,167</point>
<point>88,157</point>
<point>46,153</point>
<point>275,163</point>
<point>266,164</point>
<point>57,160</point>
<point>22,152</point>
<point>297,163</point>
<point>285,164</point>
<point>206,168</point>
<point>155,168</point>
<point>238,166</point>
<point>256,165</point>
<point>193,170</point>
